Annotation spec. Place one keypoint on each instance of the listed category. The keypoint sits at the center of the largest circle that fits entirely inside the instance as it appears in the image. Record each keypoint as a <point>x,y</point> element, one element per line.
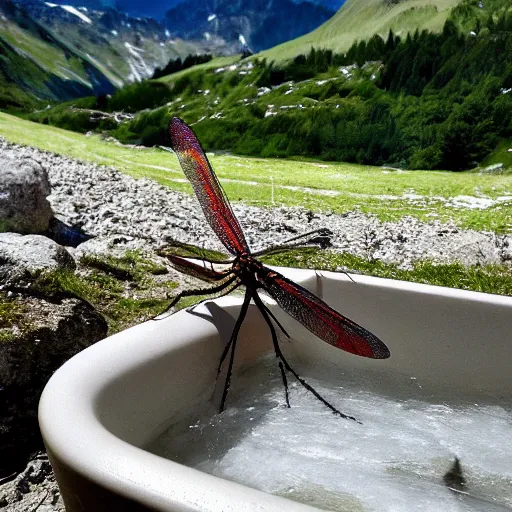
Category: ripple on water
<point>394,462</point>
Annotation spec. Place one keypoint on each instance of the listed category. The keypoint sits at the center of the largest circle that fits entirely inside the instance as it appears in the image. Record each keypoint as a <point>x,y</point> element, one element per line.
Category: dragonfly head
<point>249,268</point>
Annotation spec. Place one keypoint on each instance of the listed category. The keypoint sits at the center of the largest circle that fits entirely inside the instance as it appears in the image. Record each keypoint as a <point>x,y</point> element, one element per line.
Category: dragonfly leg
<point>226,348</point>
<point>225,292</point>
<point>346,273</point>
<point>275,320</point>
<point>232,343</point>
<point>286,365</point>
<point>265,313</point>
<point>195,293</point>
<point>228,344</point>
<point>285,383</point>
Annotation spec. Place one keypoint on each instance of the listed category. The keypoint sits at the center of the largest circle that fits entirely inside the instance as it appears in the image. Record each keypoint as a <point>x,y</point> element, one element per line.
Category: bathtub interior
<point>153,375</point>
<point>459,341</point>
<point>142,401</point>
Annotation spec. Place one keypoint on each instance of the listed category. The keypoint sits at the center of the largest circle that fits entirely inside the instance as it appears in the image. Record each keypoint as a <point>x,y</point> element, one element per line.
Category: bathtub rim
<point>109,462</point>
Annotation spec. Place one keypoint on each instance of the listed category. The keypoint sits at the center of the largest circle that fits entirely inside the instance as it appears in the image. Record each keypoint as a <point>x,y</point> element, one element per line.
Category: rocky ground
<point>34,489</point>
<point>105,202</point>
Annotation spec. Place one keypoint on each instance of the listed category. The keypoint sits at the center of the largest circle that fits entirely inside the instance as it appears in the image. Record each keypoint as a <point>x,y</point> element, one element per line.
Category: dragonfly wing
<point>322,320</point>
<point>193,269</point>
<point>212,198</point>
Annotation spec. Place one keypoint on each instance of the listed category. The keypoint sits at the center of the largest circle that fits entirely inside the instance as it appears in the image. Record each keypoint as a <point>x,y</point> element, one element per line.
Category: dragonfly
<point>246,270</point>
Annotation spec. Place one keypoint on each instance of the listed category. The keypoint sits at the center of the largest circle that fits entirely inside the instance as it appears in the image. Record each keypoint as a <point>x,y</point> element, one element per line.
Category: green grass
<point>123,298</point>
<point>364,188</point>
<point>501,155</point>
<point>495,279</point>
<point>44,54</point>
<point>131,266</point>
<point>217,62</point>
<point>360,19</point>
<point>10,311</point>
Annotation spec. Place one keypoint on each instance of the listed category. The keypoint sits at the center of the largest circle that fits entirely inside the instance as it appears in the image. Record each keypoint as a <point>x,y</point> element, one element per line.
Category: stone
<point>32,348</point>
<point>32,489</point>
<point>24,186</point>
<point>493,168</point>
<point>22,257</point>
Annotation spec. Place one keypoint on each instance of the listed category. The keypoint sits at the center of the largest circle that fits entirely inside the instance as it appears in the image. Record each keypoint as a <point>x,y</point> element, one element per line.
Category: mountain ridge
<point>55,52</point>
<point>361,19</point>
<point>260,24</point>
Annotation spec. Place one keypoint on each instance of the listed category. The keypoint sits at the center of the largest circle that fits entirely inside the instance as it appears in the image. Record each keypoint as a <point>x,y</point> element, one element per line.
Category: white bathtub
<point>113,398</point>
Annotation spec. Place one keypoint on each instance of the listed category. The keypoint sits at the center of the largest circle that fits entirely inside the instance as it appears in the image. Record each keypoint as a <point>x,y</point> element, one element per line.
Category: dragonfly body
<point>251,272</point>
<point>246,270</point>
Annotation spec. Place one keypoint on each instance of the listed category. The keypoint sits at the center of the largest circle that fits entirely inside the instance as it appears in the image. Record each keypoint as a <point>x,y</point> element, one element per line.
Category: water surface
<point>395,461</point>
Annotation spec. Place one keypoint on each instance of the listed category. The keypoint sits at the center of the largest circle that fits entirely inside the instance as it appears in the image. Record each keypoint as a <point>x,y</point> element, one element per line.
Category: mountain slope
<point>123,48</point>
<point>60,52</point>
<point>259,23</point>
<point>360,19</point>
<point>31,60</point>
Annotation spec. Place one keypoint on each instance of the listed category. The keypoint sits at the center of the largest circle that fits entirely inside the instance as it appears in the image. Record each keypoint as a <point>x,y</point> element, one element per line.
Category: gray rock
<point>24,186</point>
<point>33,489</point>
<point>493,167</point>
<point>24,256</point>
<point>46,336</point>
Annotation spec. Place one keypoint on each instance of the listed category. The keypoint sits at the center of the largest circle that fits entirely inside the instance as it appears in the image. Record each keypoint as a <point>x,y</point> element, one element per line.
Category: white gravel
<point>104,202</point>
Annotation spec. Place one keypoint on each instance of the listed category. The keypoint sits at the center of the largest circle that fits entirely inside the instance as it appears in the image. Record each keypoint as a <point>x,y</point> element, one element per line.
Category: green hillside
<point>424,100</point>
<point>321,186</point>
<point>360,19</point>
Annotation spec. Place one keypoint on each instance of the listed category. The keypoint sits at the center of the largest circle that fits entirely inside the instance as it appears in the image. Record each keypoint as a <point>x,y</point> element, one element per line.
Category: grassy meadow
<point>321,186</point>
<point>359,20</point>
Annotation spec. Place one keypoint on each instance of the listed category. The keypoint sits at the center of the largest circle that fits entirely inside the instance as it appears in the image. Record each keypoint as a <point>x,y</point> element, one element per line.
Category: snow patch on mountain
<point>133,49</point>
<point>72,10</point>
<point>138,67</point>
<point>76,12</point>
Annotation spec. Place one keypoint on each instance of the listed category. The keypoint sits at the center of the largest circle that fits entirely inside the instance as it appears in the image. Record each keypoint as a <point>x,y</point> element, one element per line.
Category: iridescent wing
<point>200,272</point>
<point>212,198</point>
<point>314,314</point>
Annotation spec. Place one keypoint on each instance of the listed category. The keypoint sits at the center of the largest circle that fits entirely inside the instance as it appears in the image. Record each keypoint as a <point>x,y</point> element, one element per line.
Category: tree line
<point>435,101</point>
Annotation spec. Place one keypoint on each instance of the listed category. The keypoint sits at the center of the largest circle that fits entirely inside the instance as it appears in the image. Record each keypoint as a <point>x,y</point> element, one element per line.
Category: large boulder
<point>41,327</point>
<point>37,336</point>
<point>22,257</point>
<point>24,186</point>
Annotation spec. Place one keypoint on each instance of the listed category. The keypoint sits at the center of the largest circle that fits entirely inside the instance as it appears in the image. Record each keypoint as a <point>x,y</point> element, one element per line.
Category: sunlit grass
<point>123,289</point>
<point>319,186</point>
<point>360,19</point>
<point>495,279</point>
<point>217,62</point>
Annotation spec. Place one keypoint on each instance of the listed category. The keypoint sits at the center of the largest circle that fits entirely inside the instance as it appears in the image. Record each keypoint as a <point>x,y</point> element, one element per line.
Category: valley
<point>474,200</point>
